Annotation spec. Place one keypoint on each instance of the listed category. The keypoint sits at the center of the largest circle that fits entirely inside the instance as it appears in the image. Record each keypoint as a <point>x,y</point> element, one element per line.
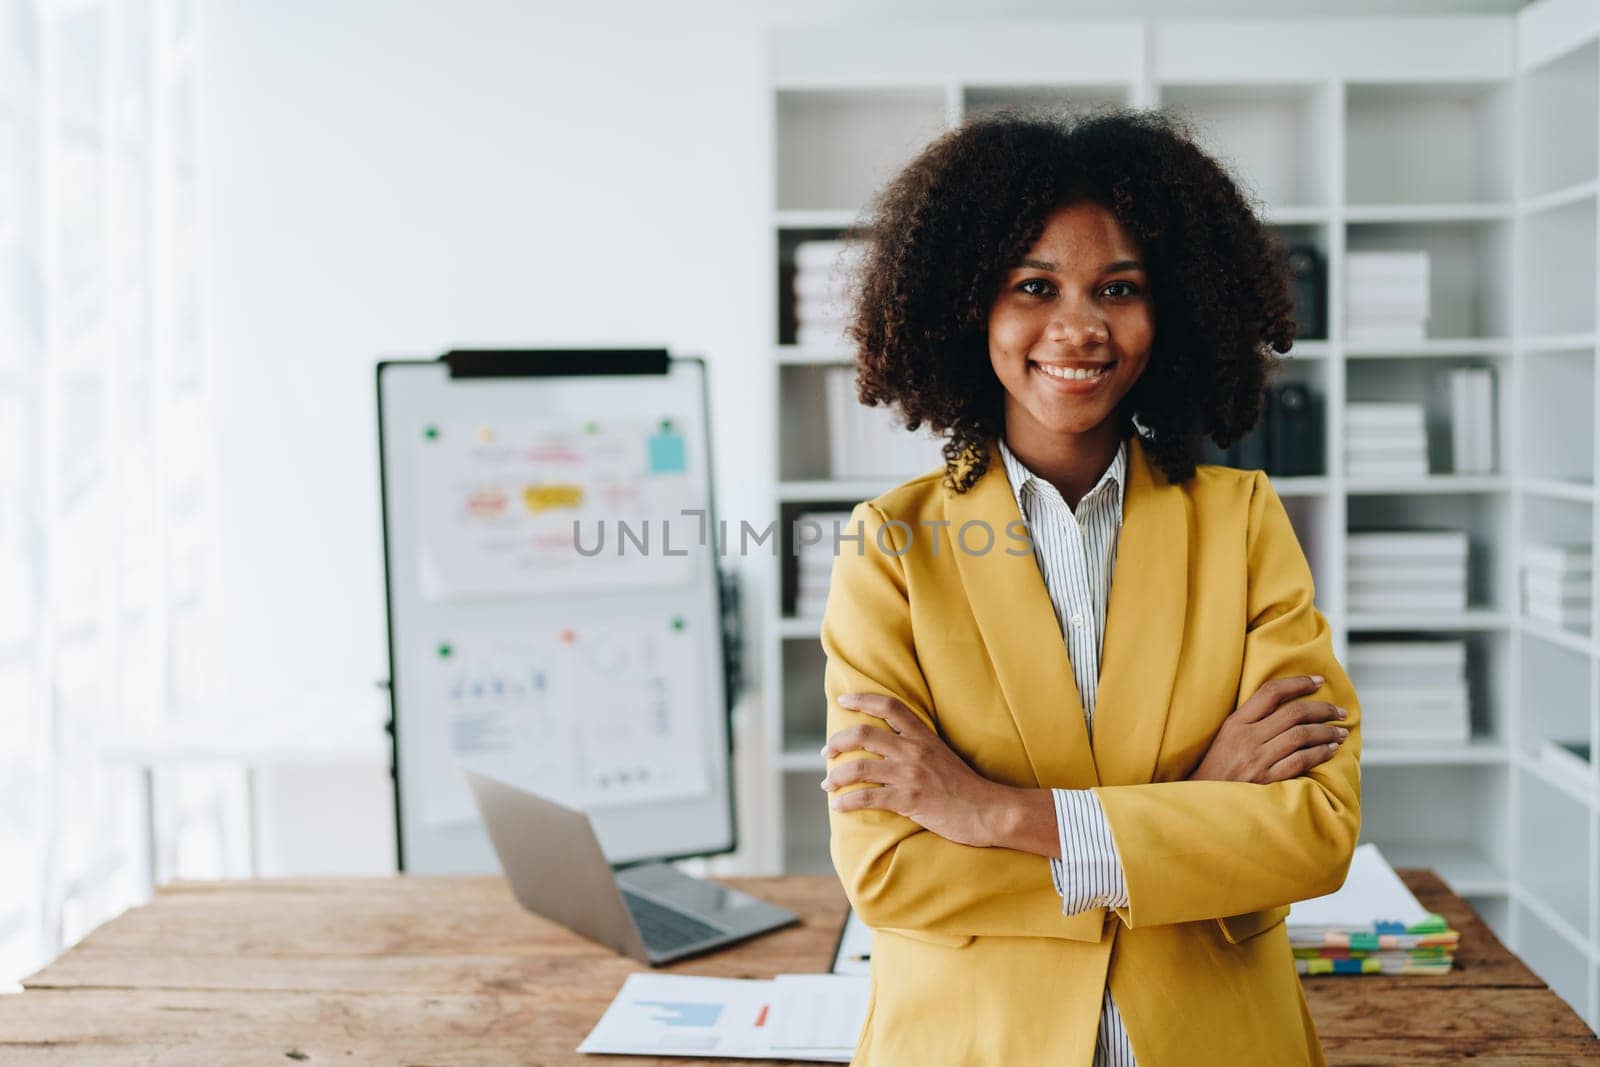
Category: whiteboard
<point>554,617</point>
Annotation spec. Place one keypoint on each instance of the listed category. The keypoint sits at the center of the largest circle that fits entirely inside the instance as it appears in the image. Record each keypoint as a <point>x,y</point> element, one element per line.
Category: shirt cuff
<point>1089,872</point>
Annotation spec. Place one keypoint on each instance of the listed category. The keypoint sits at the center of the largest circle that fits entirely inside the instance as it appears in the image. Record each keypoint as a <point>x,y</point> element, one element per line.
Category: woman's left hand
<point>919,775</point>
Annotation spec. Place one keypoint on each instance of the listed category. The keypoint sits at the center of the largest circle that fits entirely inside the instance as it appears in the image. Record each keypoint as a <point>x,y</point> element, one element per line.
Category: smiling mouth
<point>1063,373</point>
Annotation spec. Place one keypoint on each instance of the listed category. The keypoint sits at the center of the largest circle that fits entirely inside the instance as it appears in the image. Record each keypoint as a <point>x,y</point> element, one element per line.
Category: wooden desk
<point>451,971</point>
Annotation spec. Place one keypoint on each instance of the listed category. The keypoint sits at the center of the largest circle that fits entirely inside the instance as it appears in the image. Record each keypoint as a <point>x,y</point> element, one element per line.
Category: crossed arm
<point>1189,850</point>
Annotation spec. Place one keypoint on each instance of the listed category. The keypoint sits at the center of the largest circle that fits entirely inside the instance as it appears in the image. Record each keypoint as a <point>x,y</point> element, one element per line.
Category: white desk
<point>252,745</point>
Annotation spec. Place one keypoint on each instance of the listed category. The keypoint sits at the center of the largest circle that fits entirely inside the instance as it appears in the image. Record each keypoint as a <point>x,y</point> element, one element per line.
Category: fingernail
<point>1343,714</point>
<point>822,784</point>
<point>847,700</point>
<point>1343,733</point>
<point>826,751</point>
<point>1317,678</point>
<point>1333,745</point>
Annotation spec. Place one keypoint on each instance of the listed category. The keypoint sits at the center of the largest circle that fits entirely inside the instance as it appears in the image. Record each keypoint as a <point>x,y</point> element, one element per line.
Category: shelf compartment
<point>1550,953</point>
<point>1555,521</point>
<point>1469,272</point>
<point>805,824</point>
<point>1560,101</point>
<point>811,451</point>
<point>1554,693</point>
<point>1427,143</point>
<point>1558,270</point>
<point>1274,138</point>
<point>1312,519</point>
<point>1255,450</point>
<point>1417,381</point>
<point>789,540</point>
<point>836,147</point>
<point>1487,667</point>
<point>1486,518</point>
<point>1047,99</point>
<point>1449,818</point>
<point>1553,851</point>
<point>1312,321</point>
<point>805,704</point>
<point>789,239</point>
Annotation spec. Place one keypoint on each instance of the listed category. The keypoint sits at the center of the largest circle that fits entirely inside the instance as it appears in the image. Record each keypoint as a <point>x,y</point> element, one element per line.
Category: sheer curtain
<point>107,530</point>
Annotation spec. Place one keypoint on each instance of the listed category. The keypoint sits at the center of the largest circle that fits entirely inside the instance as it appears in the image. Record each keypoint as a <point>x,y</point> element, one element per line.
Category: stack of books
<point>1461,420</point>
<point>1402,572</point>
<point>873,442</point>
<point>1372,925</point>
<point>1557,583</point>
<point>1388,440</point>
<point>823,283</point>
<point>1387,296</point>
<point>814,559</point>
<point>1412,692</point>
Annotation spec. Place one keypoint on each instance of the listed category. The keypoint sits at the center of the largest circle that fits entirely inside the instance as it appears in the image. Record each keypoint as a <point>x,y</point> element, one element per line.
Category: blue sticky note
<point>666,453</point>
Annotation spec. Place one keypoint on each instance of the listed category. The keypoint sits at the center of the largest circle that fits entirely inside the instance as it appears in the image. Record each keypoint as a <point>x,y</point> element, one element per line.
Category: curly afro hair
<point>941,234</point>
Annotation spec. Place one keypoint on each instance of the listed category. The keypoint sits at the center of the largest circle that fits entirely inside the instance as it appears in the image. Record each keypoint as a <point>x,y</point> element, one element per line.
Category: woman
<point>1073,809</point>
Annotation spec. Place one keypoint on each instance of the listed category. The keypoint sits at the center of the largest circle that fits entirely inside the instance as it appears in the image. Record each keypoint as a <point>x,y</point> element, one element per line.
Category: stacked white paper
<point>814,558</point>
<point>1387,296</point>
<point>1557,583</point>
<point>1387,440</point>
<point>823,282</point>
<point>872,442</point>
<point>1411,691</point>
<point>1372,924</point>
<point>1401,572</point>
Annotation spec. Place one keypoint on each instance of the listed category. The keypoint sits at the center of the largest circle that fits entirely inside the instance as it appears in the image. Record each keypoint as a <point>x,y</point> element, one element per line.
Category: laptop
<point>650,911</point>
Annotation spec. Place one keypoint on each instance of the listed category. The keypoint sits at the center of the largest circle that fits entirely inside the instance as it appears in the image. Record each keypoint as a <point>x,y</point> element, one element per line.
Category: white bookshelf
<point>1473,138</point>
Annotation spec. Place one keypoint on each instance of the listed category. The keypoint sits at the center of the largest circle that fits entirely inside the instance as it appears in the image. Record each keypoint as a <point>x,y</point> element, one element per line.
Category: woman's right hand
<point>1272,737</point>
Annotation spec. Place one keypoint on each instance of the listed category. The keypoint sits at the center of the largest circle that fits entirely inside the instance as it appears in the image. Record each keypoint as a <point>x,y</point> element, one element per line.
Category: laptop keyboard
<point>663,929</point>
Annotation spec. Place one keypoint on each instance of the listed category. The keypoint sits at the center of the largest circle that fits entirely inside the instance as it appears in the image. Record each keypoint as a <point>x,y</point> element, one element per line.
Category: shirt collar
<point>1021,479</point>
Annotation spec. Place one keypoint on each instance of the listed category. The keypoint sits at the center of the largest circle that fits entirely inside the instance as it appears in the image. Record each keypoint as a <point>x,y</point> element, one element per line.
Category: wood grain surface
<point>450,971</point>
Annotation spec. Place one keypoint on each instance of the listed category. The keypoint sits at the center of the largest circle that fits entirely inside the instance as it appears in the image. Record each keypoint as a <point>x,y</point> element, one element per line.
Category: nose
<point>1079,326</point>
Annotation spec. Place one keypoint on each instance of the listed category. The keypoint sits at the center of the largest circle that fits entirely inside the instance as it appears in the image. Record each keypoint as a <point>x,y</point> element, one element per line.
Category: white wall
<point>398,178</point>
<point>402,178</point>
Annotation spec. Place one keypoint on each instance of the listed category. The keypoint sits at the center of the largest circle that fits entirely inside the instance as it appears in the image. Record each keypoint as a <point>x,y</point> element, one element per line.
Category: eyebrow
<point>1109,268</point>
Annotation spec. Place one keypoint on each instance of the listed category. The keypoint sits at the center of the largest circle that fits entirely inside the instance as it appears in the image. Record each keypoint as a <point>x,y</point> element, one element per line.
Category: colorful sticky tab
<point>667,453</point>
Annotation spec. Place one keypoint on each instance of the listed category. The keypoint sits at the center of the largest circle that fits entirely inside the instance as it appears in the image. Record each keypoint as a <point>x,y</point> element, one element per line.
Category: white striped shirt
<point>1077,552</point>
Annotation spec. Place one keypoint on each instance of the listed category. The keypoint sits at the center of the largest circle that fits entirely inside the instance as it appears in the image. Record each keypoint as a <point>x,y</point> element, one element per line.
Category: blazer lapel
<point>1144,625</point>
<point>1018,623</point>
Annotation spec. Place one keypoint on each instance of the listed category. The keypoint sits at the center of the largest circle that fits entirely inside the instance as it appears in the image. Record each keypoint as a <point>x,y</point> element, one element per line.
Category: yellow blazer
<point>973,962</point>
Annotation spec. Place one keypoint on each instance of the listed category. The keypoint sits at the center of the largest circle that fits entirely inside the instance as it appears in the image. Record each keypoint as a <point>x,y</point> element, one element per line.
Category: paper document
<point>854,954</point>
<point>814,1017</point>
<point>1372,893</point>
<point>818,1015</point>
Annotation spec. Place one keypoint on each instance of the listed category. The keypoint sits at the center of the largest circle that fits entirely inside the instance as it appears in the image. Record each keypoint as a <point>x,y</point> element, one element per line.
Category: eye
<point>1129,287</point>
<point>1036,281</point>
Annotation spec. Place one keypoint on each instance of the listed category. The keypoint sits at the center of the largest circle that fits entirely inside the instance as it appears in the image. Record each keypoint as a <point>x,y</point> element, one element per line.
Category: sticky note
<point>667,453</point>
